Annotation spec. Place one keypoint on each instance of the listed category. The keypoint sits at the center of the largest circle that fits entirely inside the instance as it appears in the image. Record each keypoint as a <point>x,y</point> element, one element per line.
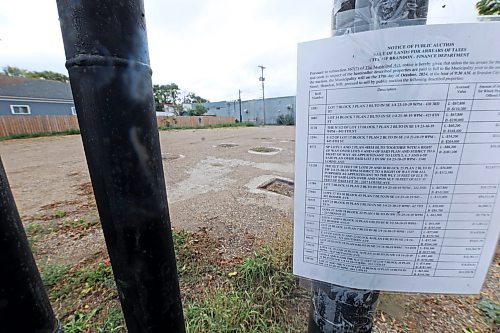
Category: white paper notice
<point>398,158</point>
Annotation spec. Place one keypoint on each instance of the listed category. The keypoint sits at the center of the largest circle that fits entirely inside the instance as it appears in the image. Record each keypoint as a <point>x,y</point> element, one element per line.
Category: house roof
<point>34,88</point>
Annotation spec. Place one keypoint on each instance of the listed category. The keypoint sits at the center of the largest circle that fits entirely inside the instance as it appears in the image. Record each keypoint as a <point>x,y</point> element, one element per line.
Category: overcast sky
<point>210,47</point>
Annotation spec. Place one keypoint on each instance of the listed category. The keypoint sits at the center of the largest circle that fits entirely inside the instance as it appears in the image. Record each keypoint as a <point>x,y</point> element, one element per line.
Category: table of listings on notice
<point>398,186</point>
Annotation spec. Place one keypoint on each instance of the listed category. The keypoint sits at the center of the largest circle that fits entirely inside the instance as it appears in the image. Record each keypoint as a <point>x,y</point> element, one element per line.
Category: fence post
<point>108,64</point>
<point>24,305</point>
<point>336,309</point>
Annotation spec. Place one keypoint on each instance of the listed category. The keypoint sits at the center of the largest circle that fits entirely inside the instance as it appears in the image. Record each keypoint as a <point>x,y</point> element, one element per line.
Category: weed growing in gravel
<point>33,229</point>
<point>62,281</point>
<point>59,214</point>
<point>112,322</point>
<point>52,273</point>
<point>79,322</point>
<point>192,262</point>
<point>80,223</point>
<point>37,230</point>
<point>101,274</point>
<point>96,320</point>
<point>254,294</point>
<point>257,299</point>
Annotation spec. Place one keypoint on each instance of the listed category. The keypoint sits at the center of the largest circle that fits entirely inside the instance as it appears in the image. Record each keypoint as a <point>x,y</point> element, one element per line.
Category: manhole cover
<point>228,145</point>
<point>265,150</point>
<point>280,186</point>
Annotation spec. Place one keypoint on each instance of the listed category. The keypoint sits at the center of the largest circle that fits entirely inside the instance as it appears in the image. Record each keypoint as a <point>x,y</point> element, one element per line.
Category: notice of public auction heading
<point>398,158</point>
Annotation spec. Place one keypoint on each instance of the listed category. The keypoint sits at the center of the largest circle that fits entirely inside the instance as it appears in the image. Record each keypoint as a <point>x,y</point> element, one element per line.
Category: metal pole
<point>24,305</point>
<point>263,79</point>
<point>239,100</point>
<point>336,309</point>
<point>108,64</point>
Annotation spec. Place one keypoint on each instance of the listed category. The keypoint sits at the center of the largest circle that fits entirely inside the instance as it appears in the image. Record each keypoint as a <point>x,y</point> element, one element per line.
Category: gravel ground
<point>212,183</point>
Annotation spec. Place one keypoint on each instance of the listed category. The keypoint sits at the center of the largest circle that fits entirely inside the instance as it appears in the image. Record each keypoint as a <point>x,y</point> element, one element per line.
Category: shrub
<point>285,119</point>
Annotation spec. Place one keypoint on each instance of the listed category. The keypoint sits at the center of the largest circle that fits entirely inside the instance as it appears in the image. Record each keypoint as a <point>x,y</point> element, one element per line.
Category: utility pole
<point>239,100</point>
<point>262,79</point>
<point>337,309</point>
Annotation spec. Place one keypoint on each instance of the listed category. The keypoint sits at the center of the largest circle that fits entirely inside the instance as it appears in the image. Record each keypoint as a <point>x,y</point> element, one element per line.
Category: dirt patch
<point>85,189</point>
<point>265,150</point>
<point>280,186</point>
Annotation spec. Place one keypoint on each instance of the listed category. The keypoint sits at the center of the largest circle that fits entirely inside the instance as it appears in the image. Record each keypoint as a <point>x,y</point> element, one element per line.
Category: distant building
<point>168,110</point>
<point>252,110</point>
<point>21,96</point>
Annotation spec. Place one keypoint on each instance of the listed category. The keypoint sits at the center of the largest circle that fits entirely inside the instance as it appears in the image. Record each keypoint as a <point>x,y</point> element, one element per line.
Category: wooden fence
<point>11,125</point>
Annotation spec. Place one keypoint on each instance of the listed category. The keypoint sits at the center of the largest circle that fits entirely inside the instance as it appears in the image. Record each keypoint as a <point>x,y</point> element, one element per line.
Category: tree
<point>172,95</point>
<point>166,94</point>
<point>198,110</point>
<point>49,75</point>
<point>192,98</point>
<point>488,7</point>
<point>45,75</point>
<point>14,71</point>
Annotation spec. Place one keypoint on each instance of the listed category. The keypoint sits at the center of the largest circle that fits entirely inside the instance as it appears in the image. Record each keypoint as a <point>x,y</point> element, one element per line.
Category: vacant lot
<point>230,237</point>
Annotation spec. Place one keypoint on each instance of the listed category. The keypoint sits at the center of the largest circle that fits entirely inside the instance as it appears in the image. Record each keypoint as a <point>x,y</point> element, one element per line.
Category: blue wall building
<point>252,110</point>
<point>21,96</point>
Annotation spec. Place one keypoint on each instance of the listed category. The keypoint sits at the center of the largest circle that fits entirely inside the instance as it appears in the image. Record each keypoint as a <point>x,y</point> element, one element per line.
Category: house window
<point>73,111</point>
<point>20,109</point>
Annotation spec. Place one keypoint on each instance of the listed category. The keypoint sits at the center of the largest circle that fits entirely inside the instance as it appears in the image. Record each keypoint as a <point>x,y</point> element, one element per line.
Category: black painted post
<point>24,305</point>
<point>108,64</point>
<point>336,309</point>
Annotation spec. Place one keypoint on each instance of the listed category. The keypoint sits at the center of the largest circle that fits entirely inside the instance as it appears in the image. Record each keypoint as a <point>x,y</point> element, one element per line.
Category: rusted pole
<point>108,64</point>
